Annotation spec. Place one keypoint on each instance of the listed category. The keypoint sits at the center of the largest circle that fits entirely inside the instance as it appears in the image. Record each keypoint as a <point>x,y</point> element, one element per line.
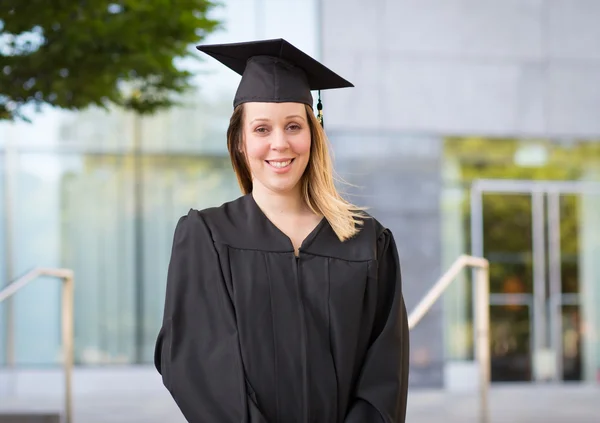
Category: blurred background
<point>474,128</point>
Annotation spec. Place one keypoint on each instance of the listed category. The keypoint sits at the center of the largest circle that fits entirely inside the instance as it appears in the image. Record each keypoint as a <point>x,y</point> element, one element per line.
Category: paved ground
<point>509,404</point>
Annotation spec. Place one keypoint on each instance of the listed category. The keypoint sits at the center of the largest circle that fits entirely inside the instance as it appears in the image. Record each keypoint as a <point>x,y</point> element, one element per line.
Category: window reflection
<point>3,255</point>
<point>79,213</point>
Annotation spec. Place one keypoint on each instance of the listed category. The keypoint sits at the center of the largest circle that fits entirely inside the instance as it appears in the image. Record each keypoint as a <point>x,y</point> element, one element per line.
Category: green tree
<point>78,53</point>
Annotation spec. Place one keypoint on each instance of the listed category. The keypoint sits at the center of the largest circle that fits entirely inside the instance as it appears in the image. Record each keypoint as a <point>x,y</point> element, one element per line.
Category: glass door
<point>543,244</point>
<point>508,228</point>
<point>564,245</point>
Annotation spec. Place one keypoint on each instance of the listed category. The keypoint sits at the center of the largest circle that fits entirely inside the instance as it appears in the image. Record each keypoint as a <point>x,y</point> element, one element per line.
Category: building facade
<point>450,95</point>
<point>450,92</point>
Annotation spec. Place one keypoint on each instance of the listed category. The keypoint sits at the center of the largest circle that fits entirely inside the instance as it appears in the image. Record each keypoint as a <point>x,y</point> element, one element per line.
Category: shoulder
<point>371,226</point>
<point>382,235</point>
<point>216,221</point>
<point>225,215</point>
<point>364,246</point>
<point>239,224</point>
<point>376,233</point>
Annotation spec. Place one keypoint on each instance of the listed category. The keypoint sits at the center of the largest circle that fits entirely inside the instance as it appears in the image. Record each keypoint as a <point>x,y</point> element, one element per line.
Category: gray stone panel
<point>451,97</point>
<point>529,111</point>
<point>573,31</point>
<point>351,25</point>
<point>401,185</point>
<point>464,29</point>
<point>483,67</point>
<point>573,99</point>
<point>361,106</point>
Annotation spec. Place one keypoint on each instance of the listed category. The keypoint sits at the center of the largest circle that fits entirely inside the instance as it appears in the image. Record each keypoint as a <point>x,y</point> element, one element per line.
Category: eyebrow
<point>268,120</point>
<point>294,116</point>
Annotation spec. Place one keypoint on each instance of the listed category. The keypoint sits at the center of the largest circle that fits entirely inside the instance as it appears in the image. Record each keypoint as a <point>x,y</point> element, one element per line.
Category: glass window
<point>173,185</point>
<point>79,211</point>
<point>35,218</point>
<point>4,276</point>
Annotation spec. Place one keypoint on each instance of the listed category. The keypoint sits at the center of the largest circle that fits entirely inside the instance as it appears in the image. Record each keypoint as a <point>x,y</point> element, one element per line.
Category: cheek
<point>302,145</point>
<point>256,150</point>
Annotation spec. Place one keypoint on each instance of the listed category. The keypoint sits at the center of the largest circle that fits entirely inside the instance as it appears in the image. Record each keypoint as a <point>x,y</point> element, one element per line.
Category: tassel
<point>320,111</point>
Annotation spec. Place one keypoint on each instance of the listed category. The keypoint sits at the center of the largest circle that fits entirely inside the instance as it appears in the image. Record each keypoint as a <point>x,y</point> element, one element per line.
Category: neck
<point>288,203</point>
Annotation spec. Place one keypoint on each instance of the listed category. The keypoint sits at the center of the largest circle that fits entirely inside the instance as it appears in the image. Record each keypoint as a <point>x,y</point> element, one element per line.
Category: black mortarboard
<point>275,71</point>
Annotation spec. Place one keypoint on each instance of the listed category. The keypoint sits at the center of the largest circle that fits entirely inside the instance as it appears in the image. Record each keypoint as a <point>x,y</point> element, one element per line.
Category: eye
<point>294,127</point>
<point>261,130</point>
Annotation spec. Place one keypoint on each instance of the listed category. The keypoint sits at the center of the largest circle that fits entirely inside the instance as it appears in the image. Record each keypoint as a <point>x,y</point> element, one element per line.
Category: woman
<point>284,305</point>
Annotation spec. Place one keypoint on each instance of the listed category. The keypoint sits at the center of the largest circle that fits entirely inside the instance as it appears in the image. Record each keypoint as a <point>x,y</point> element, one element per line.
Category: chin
<point>279,187</point>
<point>279,184</point>
<point>282,188</point>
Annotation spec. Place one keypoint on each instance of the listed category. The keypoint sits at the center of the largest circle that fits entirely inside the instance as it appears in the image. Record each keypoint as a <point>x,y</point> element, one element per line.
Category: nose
<point>279,141</point>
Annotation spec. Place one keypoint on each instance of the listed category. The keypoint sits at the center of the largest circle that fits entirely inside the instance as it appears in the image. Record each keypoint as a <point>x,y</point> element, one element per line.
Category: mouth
<point>280,164</point>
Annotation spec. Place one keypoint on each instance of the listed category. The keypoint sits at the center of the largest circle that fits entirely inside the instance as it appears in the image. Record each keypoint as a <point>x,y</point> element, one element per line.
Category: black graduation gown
<point>252,333</point>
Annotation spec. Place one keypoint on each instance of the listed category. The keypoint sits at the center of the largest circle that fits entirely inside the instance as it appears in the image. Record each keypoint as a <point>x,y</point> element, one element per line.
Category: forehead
<point>273,111</point>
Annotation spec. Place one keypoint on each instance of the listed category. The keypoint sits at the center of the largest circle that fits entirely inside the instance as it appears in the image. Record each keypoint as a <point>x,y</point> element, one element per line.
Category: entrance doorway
<point>534,235</point>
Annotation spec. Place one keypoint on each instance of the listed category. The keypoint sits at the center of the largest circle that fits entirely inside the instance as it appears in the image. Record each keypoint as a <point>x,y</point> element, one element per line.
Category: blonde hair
<point>318,183</point>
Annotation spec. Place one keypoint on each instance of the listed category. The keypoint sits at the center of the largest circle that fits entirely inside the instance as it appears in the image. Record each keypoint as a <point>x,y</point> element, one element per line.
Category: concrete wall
<point>448,67</point>
<point>465,66</point>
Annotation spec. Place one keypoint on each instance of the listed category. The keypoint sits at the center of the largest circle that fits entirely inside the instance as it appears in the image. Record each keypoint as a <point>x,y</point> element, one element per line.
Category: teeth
<point>280,164</point>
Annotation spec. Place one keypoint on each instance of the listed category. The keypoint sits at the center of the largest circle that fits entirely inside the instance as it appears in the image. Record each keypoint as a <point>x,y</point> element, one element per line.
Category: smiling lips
<point>280,166</point>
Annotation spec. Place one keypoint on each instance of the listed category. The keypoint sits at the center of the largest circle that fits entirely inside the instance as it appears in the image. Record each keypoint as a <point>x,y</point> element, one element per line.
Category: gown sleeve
<point>382,388</point>
<point>197,350</point>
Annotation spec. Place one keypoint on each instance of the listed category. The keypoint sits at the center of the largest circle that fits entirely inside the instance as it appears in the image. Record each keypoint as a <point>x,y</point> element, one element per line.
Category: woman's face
<point>277,144</point>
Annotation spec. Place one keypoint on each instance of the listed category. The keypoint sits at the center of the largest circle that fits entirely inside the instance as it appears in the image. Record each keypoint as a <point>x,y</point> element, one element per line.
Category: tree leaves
<point>97,52</point>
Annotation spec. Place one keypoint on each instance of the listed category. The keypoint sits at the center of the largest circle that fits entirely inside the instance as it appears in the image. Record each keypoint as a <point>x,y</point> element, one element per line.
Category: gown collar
<point>241,224</point>
<point>274,233</point>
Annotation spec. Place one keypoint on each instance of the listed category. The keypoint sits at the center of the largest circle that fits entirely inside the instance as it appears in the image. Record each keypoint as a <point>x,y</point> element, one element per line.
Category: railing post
<point>67,333</point>
<point>67,322</point>
<point>482,321</point>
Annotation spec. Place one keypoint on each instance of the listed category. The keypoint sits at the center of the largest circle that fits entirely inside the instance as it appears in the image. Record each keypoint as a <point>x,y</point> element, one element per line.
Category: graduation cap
<point>275,71</point>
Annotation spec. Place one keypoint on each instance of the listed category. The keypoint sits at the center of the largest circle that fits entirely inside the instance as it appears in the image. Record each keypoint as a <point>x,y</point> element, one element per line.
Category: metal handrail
<point>482,318</point>
<point>67,322</point>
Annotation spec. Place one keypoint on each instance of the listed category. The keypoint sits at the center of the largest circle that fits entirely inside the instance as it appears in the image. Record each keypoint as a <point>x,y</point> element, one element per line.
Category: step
<point>29,417</point>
